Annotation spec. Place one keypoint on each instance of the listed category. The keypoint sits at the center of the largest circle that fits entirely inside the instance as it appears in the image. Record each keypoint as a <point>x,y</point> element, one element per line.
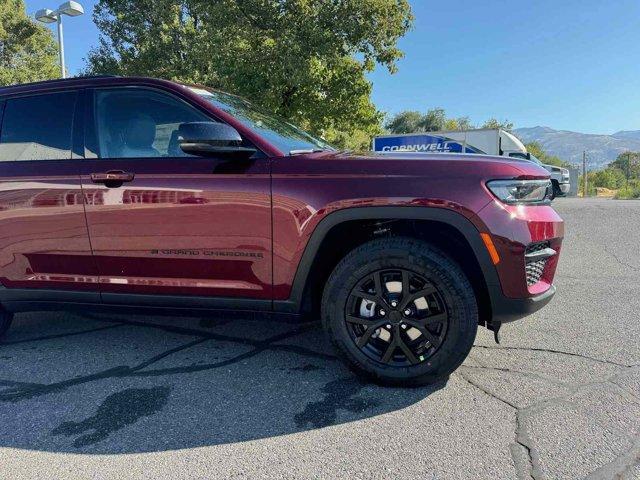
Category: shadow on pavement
<point>123,384</point>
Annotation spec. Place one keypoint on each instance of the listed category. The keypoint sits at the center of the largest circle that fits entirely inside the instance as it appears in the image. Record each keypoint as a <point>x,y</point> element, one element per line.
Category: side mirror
<point>212,138</point>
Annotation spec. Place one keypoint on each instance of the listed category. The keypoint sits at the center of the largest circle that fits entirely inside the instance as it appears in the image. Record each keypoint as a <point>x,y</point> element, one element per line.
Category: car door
<point>44,244</point>
<point>172,229</point>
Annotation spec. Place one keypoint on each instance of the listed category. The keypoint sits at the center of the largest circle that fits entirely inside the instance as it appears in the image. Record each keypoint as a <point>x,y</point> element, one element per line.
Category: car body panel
<point>43,234</point>
<point>181,227</point>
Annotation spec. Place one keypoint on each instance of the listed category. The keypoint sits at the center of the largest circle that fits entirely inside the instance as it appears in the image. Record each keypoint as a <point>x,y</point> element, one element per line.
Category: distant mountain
<point>601,149</point>
<point>633,134</point>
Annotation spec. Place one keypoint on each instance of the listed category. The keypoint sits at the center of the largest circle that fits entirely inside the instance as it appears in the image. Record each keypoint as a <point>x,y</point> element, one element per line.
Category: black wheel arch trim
<point>449,217</point>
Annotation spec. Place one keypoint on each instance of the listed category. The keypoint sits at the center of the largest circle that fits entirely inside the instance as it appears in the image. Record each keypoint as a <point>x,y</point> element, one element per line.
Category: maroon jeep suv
<point>146,194</point>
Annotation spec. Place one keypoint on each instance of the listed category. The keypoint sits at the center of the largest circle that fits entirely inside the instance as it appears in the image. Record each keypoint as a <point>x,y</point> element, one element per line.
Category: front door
<point>167,228</point>
<point>44,245</point>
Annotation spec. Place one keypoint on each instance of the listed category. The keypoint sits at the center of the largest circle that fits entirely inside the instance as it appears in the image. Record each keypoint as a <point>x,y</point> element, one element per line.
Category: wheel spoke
<point>368,296</point>
<point>421,325</point>
<point>366,336</point>
<point>405,284</point>
<point>433,319</point>
<point>433,339</point>
<point>372,326</point>
<point>377,280</point>
<point>388,354</point>
<point>367,322</point>
<point>415,296</point>
<point>406,350</point>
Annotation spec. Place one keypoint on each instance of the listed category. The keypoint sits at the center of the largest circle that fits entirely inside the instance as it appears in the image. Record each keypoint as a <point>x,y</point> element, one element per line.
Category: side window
<point>135,123</point>
<point>37,127</point>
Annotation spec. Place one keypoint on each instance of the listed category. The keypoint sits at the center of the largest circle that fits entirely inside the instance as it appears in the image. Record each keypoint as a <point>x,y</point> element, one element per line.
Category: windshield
<point>285,136</point>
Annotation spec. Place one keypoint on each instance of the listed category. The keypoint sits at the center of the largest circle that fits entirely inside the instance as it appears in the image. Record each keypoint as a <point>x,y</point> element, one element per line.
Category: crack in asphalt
<point>616,468</point>
<point>521,437</point>
<point>619,260</point>
<point>560,352</point>
<point>525,373</point>
<point>61,335</point>
<point>27,391</point>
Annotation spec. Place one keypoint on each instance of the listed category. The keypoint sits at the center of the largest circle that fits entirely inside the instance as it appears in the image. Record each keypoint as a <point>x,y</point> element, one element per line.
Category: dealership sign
<point>421,143</point>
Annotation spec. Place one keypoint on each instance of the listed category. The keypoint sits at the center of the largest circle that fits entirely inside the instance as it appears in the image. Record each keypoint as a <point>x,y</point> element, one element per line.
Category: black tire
<point>556,192</point>
<point>5,322</point>
<point>453,298</point>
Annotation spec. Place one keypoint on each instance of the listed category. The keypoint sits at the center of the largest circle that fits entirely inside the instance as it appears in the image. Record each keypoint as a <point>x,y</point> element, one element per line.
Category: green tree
<point>27,50</point>
<point>628,163</point>
<point>405,122</point>
<point>411,121</point>
<point>433,121</point>
<point>304,59</point>
<point>538,151</point>
<point>494,123</point>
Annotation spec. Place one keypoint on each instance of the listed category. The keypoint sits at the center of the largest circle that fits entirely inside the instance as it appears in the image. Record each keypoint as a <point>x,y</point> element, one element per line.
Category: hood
<point>442,165</point>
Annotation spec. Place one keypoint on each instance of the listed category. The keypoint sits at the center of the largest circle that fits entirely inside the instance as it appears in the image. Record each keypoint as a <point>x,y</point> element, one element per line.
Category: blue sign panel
<point>421,143</point>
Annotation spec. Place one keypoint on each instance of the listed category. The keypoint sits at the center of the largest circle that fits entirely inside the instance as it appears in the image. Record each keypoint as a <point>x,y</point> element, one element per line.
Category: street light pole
<point>72,9</point>
<point>63,70</point>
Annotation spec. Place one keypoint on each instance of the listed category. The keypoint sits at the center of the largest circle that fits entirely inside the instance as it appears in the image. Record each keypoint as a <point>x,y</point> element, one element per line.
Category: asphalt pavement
<point>88,396</point>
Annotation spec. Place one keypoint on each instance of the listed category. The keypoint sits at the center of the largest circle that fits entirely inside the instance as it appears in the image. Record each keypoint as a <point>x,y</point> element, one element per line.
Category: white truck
<point>487,141</point>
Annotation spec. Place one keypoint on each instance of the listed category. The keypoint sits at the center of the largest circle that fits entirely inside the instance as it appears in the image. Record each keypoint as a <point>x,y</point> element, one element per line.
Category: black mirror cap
<point>212,138</point>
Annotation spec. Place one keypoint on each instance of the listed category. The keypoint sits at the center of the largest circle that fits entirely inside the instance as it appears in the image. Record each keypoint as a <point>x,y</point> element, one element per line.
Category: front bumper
<point>520,235</point>
<point>564,187</point>
<point>506,309</point>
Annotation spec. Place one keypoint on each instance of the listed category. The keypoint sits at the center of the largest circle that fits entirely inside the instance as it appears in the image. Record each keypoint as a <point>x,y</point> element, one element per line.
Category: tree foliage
<point>538,151</point>
<point>304,59</point>
<point>628,163</point>
<point>409,121</point>
<point>494,123</point>
<point>623,174</point>
<point>27,50</point>
<point>435,119</point>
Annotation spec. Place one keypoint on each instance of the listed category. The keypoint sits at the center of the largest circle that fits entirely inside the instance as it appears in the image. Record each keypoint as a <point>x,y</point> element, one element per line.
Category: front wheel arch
<point>458,224</point>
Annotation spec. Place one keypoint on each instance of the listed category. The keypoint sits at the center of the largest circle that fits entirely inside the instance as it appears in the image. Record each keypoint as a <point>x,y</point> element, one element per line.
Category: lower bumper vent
<point>536,256</point>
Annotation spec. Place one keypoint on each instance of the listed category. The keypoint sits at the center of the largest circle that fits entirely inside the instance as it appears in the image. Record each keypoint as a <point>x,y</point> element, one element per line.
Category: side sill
<point>25,300</point>
<point>106,310</point>
<point>182,301</point>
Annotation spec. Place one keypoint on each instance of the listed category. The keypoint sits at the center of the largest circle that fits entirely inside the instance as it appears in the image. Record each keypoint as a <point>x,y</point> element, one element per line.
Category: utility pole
<point>584,174</point>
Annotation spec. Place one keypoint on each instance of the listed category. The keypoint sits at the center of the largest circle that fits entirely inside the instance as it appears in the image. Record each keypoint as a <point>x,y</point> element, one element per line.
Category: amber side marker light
<point>493,253</point>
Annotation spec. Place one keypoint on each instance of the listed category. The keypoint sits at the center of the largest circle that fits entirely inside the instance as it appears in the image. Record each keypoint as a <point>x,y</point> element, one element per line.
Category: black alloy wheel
<point>396,317</point>
<point>400,311</point>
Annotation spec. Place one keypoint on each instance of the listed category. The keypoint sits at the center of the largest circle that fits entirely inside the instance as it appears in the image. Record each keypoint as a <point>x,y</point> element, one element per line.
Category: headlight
<point>520,192</point>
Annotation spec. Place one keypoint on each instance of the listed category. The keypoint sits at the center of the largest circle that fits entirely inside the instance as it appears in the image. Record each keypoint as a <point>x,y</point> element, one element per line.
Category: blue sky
<point>566,64</point>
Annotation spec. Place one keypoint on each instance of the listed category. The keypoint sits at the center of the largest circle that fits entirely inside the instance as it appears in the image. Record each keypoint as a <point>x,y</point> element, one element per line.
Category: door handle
<point>112,177</point>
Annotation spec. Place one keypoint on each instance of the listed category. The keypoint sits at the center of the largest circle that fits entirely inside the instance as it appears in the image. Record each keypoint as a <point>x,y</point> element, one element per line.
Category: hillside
<point>601,149</point>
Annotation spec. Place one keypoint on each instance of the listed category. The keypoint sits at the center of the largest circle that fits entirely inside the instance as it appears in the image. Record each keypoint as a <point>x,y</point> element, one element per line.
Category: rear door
<point>44,244</point>
<point>172,225</point>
